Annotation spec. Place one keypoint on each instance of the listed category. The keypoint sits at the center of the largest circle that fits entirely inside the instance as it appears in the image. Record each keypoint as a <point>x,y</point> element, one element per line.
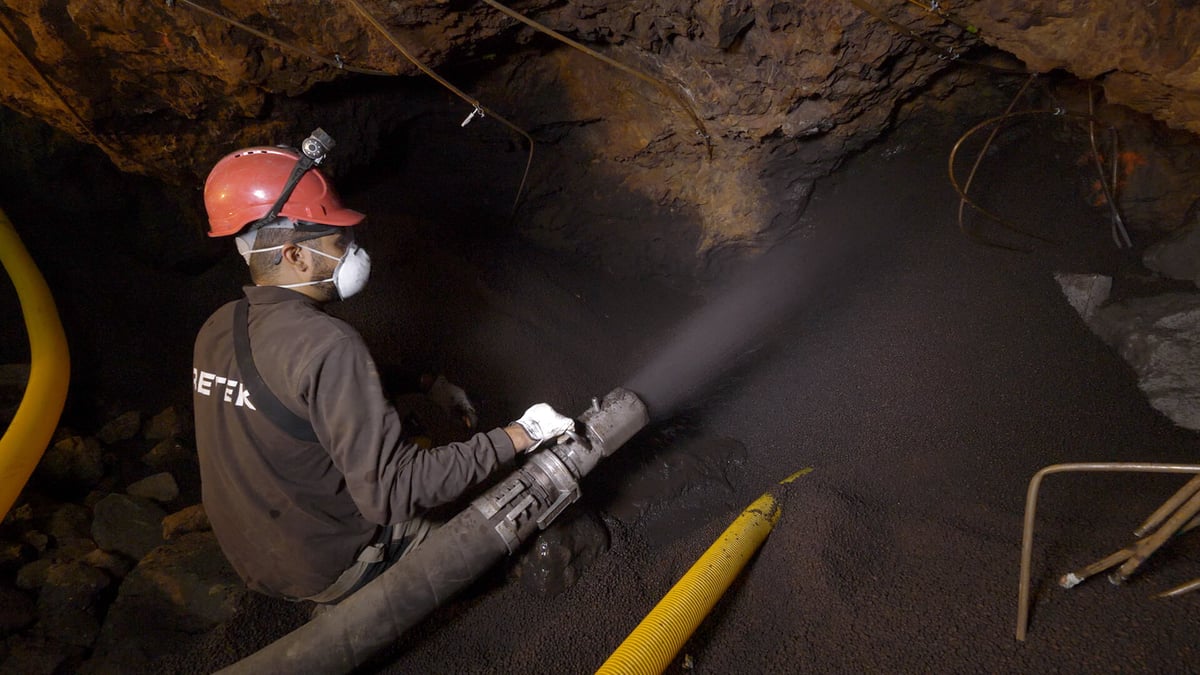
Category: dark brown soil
<point>924,379</point>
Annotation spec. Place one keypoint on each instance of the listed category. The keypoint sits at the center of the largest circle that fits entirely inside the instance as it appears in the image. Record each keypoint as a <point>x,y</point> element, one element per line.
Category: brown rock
<point>186,585</point>
<point>784,90</point>
<point>186,521</point>
<point>30,654</point>
<point>32,576</point>
<point>128,525</point>
<point>73,464</point>
<point>169,453</point>
<point>161,487</point>
<point>116,565</point>
<point>37,540</point>
<point>71,549</point>
<point>170,423</point>
<point>69,603</point>
<point>16,610</point>
<point>123,428</point>
<point>70,520</point>
<point>13,555</point>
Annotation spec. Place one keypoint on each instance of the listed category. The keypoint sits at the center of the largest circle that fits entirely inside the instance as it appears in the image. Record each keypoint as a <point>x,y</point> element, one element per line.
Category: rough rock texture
<point>69,602</point>
<point>1160,338</point>
<point>103,67</point>
<point>127,525</point>
<point>186,585</point>
<point>1157,335</point>
<point>1178,256</point>
<point>783,90</point>
<point>72,463</point>
<point>1143,53</point>
<point>152,83</point>
<point>161,487</point>
<point>80,579</point>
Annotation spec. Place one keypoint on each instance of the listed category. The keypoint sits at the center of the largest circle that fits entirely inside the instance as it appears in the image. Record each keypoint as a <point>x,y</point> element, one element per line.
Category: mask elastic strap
<point>305,283</point>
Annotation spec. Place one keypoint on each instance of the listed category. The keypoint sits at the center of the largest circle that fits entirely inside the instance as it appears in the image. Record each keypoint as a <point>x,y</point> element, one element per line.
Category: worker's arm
<point>539,425</point>
<point>389,478</point>
<point>519,437</point>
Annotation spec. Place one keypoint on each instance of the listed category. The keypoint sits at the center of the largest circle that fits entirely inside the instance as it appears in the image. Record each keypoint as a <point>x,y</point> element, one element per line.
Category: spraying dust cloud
<point>738,321</point>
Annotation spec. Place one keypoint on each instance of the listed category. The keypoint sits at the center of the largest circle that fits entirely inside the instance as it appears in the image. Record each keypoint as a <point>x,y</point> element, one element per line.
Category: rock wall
<point>782,90</point>
<point>1144,54</point>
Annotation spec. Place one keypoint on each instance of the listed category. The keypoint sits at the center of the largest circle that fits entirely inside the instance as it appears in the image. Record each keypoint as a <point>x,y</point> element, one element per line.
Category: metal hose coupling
<point>533,496</point>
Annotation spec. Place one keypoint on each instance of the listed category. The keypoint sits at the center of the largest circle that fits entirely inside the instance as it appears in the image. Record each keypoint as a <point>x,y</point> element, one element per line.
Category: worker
<point>307,475</point>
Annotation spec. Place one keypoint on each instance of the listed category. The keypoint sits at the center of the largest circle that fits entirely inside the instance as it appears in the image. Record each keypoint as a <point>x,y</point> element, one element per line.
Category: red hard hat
<point>243,186</point>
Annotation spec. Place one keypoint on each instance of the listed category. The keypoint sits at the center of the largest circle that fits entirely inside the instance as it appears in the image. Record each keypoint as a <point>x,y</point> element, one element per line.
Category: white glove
<point>454,401</point>
<point>543,424</point>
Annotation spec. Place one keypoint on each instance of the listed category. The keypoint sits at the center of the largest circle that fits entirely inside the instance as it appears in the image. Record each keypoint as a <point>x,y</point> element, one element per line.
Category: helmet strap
<point>313,151</point>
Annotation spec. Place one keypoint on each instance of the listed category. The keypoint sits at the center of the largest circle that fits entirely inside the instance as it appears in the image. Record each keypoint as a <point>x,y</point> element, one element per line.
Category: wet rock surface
<point>559,556</point>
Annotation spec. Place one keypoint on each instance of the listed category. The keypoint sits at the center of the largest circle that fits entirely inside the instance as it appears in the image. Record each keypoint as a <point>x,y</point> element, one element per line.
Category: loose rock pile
<point>1158,334</point>
<point>107,558</point>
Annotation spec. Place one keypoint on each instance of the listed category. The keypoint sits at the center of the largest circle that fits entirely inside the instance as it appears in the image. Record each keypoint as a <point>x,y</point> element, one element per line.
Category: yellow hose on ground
<point>33,426</point>
<point>659,637</point>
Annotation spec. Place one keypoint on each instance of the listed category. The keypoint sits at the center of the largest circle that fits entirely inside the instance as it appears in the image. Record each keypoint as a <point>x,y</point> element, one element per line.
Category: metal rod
<point>1180,590</point>
<point>1146,547</point>
<point>1190,488</point>
<point>1058,112</point>
<point>1031,511</point>
<point>962,203</point>
<point>1073,579</point>
<point>1120,235</point>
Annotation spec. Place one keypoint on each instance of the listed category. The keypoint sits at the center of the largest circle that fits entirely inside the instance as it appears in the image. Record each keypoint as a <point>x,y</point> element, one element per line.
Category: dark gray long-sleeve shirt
<point>291,515</point>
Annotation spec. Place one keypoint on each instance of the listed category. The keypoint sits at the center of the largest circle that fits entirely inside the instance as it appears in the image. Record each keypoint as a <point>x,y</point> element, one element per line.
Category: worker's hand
<point>542,424</point>
<point>454,401</point>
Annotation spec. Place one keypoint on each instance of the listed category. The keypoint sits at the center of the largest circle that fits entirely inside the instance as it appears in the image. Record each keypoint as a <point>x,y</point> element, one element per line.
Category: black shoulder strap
<point>262,396</point>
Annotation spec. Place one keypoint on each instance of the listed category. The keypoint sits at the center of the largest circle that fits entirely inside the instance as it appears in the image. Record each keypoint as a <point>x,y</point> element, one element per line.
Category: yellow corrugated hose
<point>659,637</point>
<point>33,426</point>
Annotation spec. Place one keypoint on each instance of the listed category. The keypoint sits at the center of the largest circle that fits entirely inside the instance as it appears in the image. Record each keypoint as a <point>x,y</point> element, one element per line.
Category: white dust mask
<point>349,276</point>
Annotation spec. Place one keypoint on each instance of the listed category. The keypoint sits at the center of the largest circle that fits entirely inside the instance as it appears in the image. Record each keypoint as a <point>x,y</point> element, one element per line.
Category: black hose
<point>350,633</point>
<point>354,631</point>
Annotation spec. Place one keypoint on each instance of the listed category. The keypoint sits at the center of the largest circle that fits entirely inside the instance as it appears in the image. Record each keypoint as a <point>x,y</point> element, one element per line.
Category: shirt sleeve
<point>390,480</point>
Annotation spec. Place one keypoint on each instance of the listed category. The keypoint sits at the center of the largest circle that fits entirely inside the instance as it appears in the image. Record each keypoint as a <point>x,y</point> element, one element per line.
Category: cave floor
<point>924,389</point>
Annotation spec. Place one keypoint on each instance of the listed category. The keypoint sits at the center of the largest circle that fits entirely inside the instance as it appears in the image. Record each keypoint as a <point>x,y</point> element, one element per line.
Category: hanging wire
<point>338,62</point>
<point>1058,112</point>
<point>477,107</point>
<point>964,200</point>
<point>935,7</point>
<point>662,86</point>
<point>1119,233</point>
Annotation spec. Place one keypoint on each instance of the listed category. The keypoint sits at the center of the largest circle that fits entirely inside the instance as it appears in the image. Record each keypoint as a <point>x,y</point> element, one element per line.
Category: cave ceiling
<point>720,104</point>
